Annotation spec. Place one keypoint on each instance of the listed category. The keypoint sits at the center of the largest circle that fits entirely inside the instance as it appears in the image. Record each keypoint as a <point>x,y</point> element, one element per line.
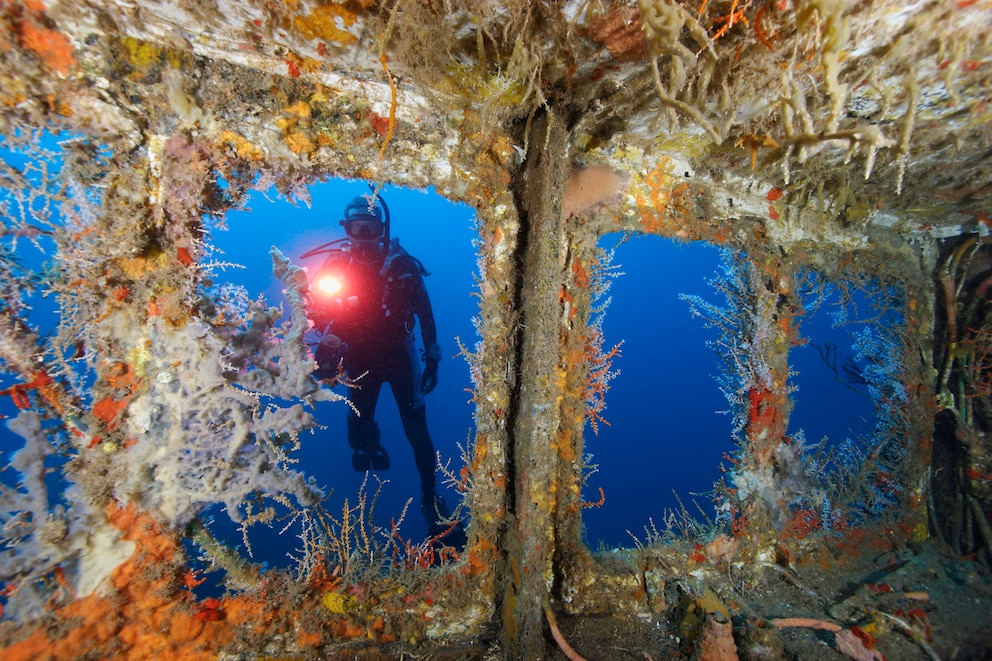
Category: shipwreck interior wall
<point>820,143</point>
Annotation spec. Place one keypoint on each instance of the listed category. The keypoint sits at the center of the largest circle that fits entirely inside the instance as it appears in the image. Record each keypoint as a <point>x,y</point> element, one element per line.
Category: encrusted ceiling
<point>869,113</point>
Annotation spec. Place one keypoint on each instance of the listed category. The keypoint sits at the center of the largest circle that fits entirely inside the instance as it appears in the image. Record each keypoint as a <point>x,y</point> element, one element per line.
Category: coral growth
<point>146,608</point>
<point>51,46</point>
<point>140,611</point>
<point>847,139</point>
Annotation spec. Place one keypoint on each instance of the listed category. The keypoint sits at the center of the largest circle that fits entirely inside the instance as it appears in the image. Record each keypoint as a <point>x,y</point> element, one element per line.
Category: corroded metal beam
<point>531,545</point>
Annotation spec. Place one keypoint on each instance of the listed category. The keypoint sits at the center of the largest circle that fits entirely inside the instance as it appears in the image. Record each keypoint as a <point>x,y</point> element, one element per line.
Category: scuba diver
<point>367,298</point>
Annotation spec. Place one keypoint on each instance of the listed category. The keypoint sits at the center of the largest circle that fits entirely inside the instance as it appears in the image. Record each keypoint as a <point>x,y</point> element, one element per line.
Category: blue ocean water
<point>829,403</point>
<point>665,434</point>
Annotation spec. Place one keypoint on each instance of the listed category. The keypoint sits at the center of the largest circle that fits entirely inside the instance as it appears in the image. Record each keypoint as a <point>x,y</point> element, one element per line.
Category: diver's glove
<point>432,356</point>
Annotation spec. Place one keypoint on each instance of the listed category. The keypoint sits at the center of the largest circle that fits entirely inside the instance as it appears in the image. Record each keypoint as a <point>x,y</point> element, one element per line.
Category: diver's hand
<point>432,356</point>
<point>429,381</point>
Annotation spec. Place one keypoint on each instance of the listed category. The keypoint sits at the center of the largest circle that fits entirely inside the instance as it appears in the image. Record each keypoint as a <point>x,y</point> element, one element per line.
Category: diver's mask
<point>366,229</point>
<point>363,229</point>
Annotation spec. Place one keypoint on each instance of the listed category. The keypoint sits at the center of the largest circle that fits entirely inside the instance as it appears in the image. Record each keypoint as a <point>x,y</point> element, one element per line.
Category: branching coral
<point>599,363</point>
<point>733,319</point>
<point>351,542</point>
<point>201,419</point>
<point>214,438</point>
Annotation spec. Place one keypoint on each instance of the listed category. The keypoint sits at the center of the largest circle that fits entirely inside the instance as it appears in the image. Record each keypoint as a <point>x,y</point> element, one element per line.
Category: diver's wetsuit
<point>373,317</point>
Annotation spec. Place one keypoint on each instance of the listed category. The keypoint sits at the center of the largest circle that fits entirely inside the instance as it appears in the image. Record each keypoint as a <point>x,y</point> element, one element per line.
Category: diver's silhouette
<point>367,297</point>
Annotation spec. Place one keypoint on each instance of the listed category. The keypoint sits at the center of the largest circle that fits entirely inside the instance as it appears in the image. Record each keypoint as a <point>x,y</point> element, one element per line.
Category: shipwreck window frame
<point>490,476</point>
<point>771,280</point>
<point>646,218</point>
<point>304,224</point>
<point>658,281</point>
<point>878,465</point>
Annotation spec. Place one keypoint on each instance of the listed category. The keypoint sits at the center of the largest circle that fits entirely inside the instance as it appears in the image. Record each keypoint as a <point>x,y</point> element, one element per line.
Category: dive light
<point>330,288</point>
<point>329,284</point>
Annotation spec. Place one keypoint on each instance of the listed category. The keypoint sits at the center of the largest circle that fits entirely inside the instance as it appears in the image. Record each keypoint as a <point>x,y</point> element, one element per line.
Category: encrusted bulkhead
<point>821,143</point>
